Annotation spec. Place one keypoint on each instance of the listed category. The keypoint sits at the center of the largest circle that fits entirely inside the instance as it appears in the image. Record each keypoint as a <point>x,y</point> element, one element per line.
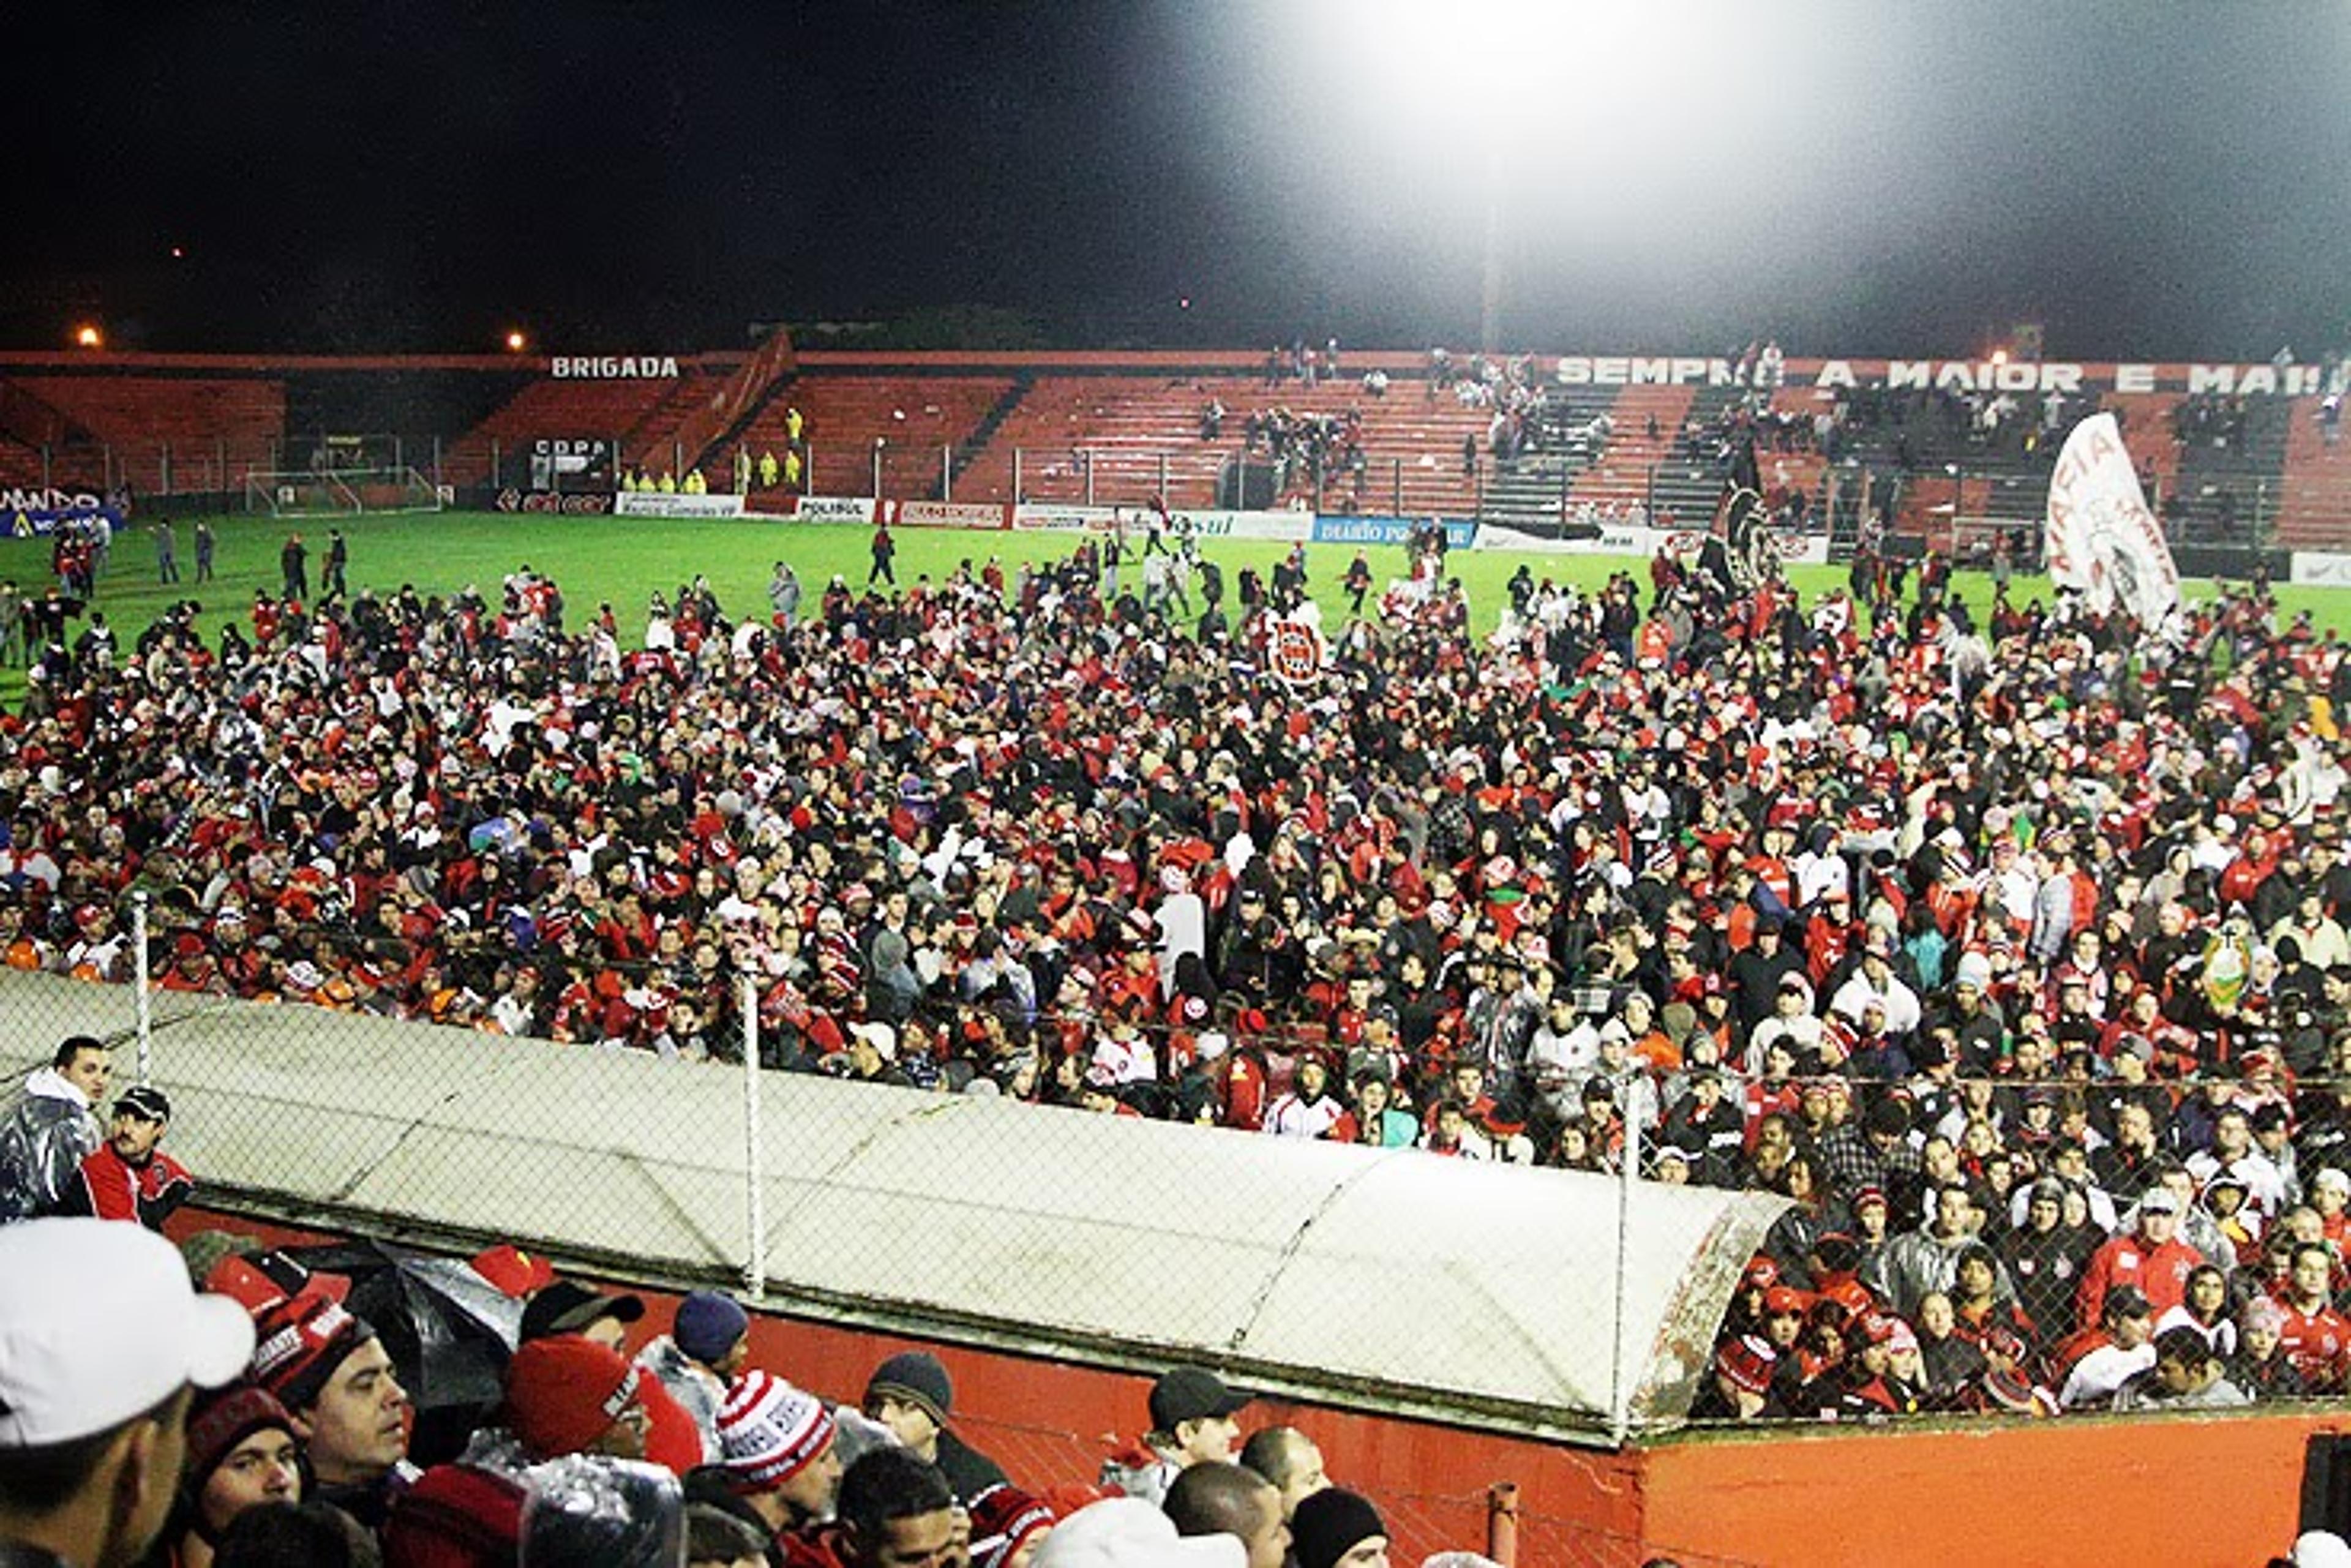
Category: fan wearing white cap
<point>101,1338</point>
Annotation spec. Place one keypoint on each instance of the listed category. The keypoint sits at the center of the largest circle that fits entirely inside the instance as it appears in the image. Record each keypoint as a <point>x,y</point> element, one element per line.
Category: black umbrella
<point>448,1330</point>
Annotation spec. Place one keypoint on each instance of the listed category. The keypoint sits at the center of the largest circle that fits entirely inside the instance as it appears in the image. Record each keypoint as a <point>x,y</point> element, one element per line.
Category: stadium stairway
<point>1620,475</point>
<point>856,422</point>
<point>2229,493</point>
<point>658,440</point>
<point>972,445</point>
<point>2316,488</point>
<point>1688,479</point>
<point>33,422</point>
<point>1535,493</point>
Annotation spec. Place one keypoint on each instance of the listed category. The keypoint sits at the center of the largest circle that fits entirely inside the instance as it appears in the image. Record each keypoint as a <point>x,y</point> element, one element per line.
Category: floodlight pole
<point>1620,1388</point>
<point>1490,312</point>
<point>754,1218</point>
<point>139,965</point>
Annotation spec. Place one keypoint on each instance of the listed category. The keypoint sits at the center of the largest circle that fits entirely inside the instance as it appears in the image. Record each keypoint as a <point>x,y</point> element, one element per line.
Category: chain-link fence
<point>936,1174</point>
<point>636,1113</point>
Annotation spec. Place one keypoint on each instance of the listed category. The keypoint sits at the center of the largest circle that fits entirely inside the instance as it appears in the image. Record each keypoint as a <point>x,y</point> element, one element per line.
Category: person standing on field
<point>294,566</point>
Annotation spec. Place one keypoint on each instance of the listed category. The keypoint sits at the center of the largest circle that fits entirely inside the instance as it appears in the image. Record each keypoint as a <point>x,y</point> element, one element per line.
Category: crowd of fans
<point>1941,929</point>
<point>1307,450</point>
<point>216,1406</point>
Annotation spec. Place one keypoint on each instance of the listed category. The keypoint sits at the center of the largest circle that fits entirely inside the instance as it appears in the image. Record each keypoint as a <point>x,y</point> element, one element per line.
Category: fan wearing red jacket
<point>2317,1338</point>
<point>129,1177</point>
<point>2152,1258</point>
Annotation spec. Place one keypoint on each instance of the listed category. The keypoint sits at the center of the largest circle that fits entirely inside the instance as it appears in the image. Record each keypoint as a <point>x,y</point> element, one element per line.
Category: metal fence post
<point>754,1218</point>
<point>1017,497</point>
<point>946,472</point>
<point>1502,1523</point>
<point>1620,1390</point>
<point>138,976</point>
<point>877,443</point>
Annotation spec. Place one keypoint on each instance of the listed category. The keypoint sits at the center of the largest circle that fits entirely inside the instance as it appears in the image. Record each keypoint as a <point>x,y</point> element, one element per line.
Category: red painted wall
<point>2180,1492</point>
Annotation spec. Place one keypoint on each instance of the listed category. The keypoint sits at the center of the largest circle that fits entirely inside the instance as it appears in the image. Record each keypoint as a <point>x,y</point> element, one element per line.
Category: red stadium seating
<point>612,409</point>
<point>209,430</point>
<point>914,417</point>
<point>2315,500</point>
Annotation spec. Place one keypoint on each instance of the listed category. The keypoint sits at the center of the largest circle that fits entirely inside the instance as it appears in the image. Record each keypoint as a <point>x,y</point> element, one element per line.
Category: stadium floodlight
<point>1579,138</point>
<point>88,336</point>
<point>517,342</point>
<point>340,492</point>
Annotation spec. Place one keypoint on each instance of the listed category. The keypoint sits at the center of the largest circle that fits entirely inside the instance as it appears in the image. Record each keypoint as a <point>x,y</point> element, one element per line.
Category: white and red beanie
<point>770,1431</point>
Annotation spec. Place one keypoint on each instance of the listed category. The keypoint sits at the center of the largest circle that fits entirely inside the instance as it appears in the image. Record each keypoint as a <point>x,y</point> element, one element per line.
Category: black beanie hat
<point>1329,1523</point>
<point>916,1377</point>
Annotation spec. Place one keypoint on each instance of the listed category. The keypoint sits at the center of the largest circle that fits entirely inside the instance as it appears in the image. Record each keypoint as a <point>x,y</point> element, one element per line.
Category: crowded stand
<point>2004,941</point>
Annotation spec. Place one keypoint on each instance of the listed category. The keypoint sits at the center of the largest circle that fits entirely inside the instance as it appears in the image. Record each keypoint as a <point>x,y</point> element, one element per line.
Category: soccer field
<point>625,559</point>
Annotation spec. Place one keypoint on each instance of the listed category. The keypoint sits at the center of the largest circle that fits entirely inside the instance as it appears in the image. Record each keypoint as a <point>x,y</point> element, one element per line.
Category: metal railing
<point>2211,506</point>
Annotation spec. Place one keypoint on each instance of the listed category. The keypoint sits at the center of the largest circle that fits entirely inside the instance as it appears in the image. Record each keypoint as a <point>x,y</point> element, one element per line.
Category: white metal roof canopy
<point>1395,1278</point>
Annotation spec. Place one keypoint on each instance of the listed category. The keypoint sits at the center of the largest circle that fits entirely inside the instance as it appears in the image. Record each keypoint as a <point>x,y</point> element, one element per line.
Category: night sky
<point>2149,178</point>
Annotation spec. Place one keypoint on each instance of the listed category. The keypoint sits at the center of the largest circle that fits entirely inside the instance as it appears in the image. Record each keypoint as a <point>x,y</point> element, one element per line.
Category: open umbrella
<point>448,1330</point>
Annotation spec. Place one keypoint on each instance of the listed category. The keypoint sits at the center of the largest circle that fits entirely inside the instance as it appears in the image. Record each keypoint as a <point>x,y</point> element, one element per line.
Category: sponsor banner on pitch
<point>1063,519</point>
<point>552,502</point>
<point>1458,534</point>
<point>40,522</point>
<point>653,504</point>
<point>1287,526</point>
<point>1612,542</point>
<point>833,508</point>
<point>1623,540</point>
<point>2320,569</point>
<point>946,515</point>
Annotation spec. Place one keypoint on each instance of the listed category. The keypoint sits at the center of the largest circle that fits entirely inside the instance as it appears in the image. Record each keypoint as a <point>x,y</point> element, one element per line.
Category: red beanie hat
<point>565,1392</point>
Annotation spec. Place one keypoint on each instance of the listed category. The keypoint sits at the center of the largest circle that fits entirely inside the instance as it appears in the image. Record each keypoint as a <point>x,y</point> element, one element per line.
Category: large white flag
<point>2101,540</point>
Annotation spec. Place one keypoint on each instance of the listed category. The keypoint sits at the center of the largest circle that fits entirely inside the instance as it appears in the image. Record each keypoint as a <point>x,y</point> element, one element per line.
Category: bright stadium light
<point>517,342</point>
<point>88,336</point>
<point>1533,134</point>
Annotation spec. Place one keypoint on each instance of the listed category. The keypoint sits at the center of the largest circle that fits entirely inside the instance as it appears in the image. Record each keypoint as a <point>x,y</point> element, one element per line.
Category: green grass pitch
<point>624,559</point>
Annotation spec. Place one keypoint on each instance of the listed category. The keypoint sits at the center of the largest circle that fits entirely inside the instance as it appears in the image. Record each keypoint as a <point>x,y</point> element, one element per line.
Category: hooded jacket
<point>47,1135</point>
